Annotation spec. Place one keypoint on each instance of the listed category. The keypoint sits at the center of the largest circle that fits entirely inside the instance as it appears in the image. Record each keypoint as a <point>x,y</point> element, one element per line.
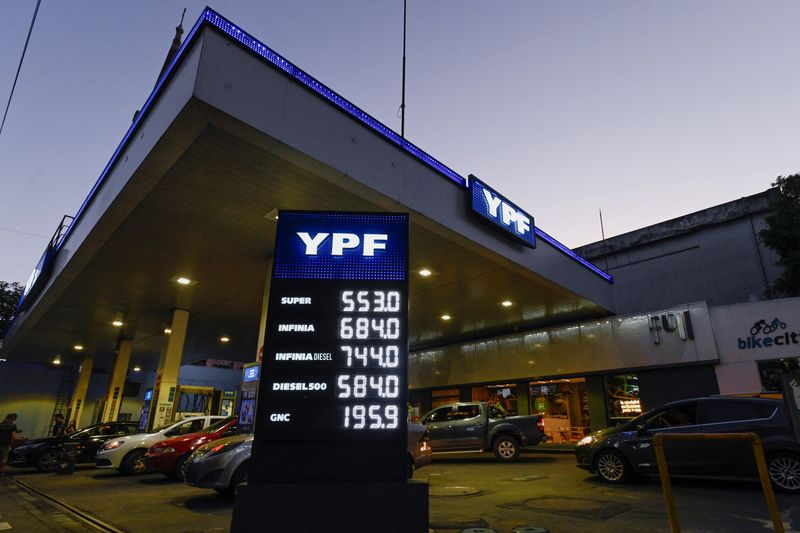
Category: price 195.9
<point>366,328</point>
<point>370,416</point>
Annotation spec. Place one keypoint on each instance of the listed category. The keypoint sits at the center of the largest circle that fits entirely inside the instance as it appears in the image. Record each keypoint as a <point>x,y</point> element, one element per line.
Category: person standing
<point>8,432</point>
<point>58,425</point>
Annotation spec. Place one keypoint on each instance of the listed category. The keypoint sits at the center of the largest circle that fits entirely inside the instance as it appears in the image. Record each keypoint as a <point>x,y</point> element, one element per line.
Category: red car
<point>169,456</point>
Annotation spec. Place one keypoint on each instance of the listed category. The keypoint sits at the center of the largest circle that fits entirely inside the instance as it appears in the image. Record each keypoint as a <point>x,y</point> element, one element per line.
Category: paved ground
<point>467,491</point>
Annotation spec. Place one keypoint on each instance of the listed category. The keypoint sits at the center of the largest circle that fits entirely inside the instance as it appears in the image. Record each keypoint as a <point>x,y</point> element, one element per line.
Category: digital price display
<point>333,391</point>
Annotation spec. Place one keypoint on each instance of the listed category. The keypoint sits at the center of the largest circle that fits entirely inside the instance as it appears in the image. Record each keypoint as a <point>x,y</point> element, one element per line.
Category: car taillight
<point>540,423</point>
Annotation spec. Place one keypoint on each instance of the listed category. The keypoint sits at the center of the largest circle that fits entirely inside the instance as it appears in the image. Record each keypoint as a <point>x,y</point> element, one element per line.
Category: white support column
<point>117,381</point>
<point>168,368</point>
<point>78,400</point>
<point>262,325</point>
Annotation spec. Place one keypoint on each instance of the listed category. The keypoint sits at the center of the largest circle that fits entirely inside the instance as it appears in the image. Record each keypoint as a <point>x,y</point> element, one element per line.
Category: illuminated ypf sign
<point>500,211</point>
<point>333,391</point>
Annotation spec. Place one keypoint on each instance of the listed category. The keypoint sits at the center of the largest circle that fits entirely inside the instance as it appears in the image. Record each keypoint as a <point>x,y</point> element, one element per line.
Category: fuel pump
<point>247,410</point>
<point>227,403</point>
<point>195,401</point>
<point>145,414</point>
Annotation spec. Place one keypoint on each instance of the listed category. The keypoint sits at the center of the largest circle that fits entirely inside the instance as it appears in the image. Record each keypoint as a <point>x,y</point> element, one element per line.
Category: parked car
<point>419,447</point>
<point>126,454</point>
<point>481,427</point>
<point>169,456</point>
<point>222,465</point>
<point>616,454</point>
<point>44,453</point>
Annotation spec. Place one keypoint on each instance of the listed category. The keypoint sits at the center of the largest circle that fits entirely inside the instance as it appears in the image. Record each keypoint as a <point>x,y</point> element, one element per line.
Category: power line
<point>12,230</point>
<point>19,67</point>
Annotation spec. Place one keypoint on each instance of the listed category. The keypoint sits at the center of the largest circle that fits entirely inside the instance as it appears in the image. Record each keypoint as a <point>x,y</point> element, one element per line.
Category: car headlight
<point>163,449</point>
<point>588,439</point>
<point>113,444</point>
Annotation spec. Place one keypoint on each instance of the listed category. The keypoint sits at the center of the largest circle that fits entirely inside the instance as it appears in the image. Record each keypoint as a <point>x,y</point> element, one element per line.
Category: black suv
<point>616,454</point>
<point>44,453</point>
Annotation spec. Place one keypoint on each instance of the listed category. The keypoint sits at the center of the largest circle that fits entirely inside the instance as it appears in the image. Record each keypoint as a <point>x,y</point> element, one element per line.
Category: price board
<point>333,389</point>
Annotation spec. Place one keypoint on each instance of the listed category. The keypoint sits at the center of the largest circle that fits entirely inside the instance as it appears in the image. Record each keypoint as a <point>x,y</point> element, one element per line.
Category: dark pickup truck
<point>480,427</point>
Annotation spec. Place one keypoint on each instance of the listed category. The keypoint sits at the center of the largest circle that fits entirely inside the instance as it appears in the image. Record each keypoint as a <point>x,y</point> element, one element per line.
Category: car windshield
<point>214,427</point>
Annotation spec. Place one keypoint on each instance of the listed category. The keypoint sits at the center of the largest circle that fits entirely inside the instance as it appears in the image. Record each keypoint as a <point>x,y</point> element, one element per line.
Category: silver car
<point>222,465</point>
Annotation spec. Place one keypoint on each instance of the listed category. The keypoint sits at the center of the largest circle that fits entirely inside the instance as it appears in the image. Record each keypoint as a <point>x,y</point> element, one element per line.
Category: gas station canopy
<point>232,133</point>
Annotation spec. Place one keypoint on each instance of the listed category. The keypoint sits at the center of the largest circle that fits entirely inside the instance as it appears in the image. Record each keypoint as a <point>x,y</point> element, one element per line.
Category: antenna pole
<point>403,100</point>
<point>603,234</point>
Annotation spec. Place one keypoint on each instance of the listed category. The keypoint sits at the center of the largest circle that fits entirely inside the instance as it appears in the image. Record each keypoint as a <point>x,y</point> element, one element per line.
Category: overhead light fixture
<point>224,339</point>
<point>506,303</point>
<point>57,360</point>
<point>167,331</point>
<point>425,272</point>
<point>117,323</point>
<point>137,368</point>
<point>445,317</point>
<point>78,347</point>
<point>183,280</point>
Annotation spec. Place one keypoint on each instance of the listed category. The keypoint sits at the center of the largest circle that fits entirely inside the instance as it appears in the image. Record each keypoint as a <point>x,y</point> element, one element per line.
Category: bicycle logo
<point>766,329</point>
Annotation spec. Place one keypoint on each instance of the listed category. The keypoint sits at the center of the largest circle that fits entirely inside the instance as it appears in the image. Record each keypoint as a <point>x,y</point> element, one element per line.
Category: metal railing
<point>761,463</point>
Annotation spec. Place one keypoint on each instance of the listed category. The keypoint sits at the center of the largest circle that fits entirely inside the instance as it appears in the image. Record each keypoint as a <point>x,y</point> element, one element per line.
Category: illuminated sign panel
<point>497,209</point>
<point>332,397</point>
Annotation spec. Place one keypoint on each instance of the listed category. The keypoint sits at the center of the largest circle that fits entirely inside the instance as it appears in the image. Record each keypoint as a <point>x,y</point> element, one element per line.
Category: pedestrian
<point>71,427</point>
<point>58,425</point>
<point>8,432</point>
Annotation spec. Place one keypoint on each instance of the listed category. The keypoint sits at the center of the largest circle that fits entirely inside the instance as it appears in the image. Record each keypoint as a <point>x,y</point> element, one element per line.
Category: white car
<point>125,453</point>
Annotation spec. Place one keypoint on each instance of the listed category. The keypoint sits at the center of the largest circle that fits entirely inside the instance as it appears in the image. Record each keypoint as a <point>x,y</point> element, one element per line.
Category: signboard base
<point>332,507</point>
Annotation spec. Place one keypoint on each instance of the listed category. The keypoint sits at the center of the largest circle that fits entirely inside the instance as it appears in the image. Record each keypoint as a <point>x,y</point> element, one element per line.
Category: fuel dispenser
<point>195,401</point>
<point>228,403</point>
<point>145,414</point>
<point>247,410</point>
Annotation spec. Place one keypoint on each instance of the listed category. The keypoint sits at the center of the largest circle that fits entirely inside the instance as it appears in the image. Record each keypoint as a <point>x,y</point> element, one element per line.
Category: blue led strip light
<point>213,18</point>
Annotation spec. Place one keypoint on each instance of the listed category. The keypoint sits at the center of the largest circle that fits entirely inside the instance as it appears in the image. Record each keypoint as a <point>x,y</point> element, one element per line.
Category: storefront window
<point>565,406</point>
<point>622,398</point>
<point>501,397</point>
<point>443,397</point>
<point>771,371</point>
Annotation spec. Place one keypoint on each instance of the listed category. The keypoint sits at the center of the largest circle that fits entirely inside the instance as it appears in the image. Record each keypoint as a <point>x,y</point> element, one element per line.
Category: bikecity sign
<point>501,212</point>
<point>765,334</point>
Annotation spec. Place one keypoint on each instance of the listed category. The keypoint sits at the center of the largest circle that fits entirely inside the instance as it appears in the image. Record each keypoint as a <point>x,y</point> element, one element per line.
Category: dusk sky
<point>647,110</point>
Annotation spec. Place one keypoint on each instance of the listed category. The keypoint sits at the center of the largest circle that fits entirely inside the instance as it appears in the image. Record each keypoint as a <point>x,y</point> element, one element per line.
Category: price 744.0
<point>384,356</point>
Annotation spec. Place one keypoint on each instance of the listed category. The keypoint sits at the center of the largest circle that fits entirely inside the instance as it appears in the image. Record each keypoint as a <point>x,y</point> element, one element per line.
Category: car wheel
<point>506,449</point>
<point>238,478</point>
<point>612,467</point>
<point>133,463</point>
<point>47,461</point>
<point>784,471</point>
<point>179,471</point>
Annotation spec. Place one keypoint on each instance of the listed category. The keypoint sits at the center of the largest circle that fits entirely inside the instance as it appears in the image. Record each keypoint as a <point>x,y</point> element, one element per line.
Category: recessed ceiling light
<point>78,347</point>
<point>183,281</point>
<point>506,303</point>
<point>272,214</point>
<point>57,360</point>
<point>167,331</point>
<point>424,272</point>
<point>117,323</point>
<point>224,339</point>
<point>137,368</point>
<point>445,317</point>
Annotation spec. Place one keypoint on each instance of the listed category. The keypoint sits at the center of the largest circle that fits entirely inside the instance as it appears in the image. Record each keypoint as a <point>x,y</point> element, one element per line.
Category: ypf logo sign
<point>761,335</point>
<point>500,211</point>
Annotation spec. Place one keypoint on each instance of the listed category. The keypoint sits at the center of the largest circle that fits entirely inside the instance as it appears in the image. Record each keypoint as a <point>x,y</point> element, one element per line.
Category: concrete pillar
<point>262,325</point>
<point>78,400</point>
<point>598,404</point>
<point>169,365</point>
<point>523,394</point>
<point>119,371</point>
